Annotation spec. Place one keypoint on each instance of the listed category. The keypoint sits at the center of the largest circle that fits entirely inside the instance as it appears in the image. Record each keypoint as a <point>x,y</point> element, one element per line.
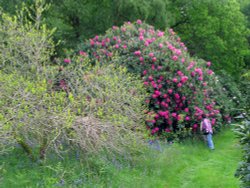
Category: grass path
<point>189,165</point>
<point>192,166</point>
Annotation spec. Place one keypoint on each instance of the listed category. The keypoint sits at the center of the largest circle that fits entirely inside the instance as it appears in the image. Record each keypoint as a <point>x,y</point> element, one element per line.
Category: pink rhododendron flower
<point>107,40</point>
<point>192,74</point>
<point>178,118</point>
<point>200,78</point>
<point>184,79</point>
<point>141,37</point>
<point>137,53</point>
<point>139,22</point>
<point>160,45</point>
<point>82,53</point>
<point>153,67</point>
<point>210,72</point>
<point>63,84</point>
<point>67,61</point>
<point>176,96</point>
<point>96,37</point>
<point>213,121</point>
<point>157,92</point>
<point>170,91</point>
<point>177,52</point>
<point>195,126</point>
<point>182,44</point>
<point>151,54</point>
<point>167,130</point>
<point>156,116</point>
<point>150,78</point>
<point>175,80</point>
<point>123,29</point>
<point>208,63</point>
<point>92,43</point>
<point>154,96</point>
<point>174,114</point>
<point>154,85</point>
<point>160,34</point>
<point>199,71</point>
<point>175,58</point>
<point>171,31</point>
<point>154,59</point>
<point>179,73</point>
<point>115,28</point>
<point>159,67</point>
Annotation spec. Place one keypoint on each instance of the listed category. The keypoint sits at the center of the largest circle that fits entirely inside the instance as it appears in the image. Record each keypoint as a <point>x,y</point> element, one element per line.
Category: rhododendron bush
<point>180,88</point>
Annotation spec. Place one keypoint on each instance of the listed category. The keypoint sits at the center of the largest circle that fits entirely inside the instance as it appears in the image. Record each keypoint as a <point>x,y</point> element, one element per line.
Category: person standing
<point>207,130</point>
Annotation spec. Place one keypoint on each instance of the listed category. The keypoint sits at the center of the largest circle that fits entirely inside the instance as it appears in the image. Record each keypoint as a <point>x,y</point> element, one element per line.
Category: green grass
<point>189,165</point>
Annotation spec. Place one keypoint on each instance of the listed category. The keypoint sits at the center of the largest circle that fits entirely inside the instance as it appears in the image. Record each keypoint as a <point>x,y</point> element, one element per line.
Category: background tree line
<point>217,31</point>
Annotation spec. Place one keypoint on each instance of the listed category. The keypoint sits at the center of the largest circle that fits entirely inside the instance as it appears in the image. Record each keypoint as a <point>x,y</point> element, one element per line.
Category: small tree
<point>25,42</point>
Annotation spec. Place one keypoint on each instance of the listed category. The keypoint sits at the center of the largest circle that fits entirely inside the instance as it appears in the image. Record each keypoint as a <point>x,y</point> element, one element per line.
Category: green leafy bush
<point>105,116</point>
<point>243,171</point>
<point>31,117</point>
<point>107,97</point>
<point>25,43</point>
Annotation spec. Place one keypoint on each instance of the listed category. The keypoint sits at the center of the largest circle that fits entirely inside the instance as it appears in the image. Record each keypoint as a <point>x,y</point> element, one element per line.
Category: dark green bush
<point>243,171</point>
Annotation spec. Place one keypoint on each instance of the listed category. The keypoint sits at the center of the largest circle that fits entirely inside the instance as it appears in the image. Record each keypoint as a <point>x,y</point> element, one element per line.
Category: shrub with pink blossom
<point>180,88</point>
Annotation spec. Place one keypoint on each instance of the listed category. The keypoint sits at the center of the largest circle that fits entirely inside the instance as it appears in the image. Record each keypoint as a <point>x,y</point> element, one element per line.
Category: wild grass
<point>187,165</point>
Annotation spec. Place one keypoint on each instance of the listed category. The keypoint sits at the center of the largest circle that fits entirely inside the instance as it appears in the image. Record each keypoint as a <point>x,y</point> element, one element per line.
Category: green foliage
<point>230,96</point>
<point>214,30</point>
<point>78,20</point>
<point>243,132</point>
<point>105,115</point>
<point>26,43</point>
<point>109,98</point>
<point>32,118</point>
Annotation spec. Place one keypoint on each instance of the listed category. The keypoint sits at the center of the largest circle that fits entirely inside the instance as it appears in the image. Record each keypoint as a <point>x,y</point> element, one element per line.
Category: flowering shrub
<point>180,88</point>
